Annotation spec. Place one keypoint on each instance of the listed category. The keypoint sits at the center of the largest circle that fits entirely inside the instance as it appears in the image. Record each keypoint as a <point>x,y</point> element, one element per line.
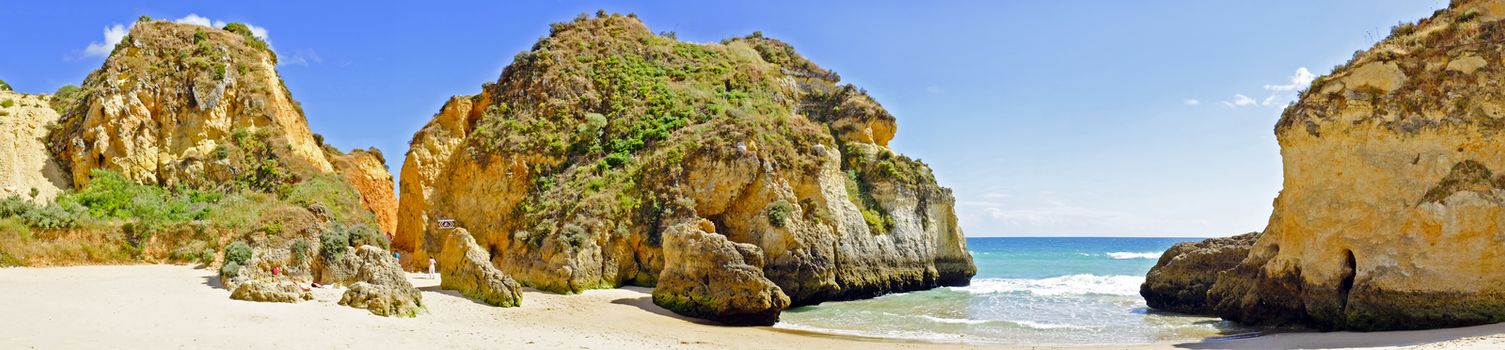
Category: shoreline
<point>158,306</point>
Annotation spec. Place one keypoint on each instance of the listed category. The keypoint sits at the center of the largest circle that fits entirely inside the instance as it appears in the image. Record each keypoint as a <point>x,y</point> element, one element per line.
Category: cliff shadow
<point>212,281</point>
<point>455,293</point>
<point>646,304</point>
<point>1333,340</point>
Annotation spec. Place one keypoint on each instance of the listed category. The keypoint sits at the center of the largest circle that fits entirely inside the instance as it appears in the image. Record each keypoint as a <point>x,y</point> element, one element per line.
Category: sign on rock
<point>446,223</point>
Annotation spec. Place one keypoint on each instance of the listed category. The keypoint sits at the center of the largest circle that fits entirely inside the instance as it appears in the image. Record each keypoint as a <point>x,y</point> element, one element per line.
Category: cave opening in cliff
<point>1350,269</point>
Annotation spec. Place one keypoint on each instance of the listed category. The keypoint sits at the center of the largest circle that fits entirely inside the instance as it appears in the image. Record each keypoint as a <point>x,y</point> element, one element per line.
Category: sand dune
<point>164,306</point>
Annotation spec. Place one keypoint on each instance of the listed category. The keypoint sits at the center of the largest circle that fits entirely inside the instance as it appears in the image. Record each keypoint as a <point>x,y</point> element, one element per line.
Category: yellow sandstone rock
<point>1391,212</point>
<point>25,164</point>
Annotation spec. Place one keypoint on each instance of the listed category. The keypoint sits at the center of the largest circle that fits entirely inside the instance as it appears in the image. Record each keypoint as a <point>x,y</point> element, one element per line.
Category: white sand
<point>163,306</point>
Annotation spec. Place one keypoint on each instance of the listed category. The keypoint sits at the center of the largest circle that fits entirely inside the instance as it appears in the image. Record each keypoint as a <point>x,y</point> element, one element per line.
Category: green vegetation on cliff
<point>601,127</point>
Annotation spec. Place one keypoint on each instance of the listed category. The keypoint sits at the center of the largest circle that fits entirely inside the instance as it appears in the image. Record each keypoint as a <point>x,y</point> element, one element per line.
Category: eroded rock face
<point>1180,280</point>
<point>185,105</point>
<point>381,286</point>
<point>1390,214</point>
<point>25,163</point>
<point>366,171</point>
<point>570,171</point>
<point>271,290</point>
<point>466,267</point>
<point>159,117</point>
<point>705,275</point>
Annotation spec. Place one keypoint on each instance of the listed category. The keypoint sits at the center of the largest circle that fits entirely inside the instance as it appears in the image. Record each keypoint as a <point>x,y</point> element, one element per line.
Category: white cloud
<point>197,20</point>
<point>1301,79</point>
<point>934,90</point>
<point>1192,102</point>
<point>1239,100</point>
<point>302,58</point>
<point>113,35</point>
<point>1278,93</point>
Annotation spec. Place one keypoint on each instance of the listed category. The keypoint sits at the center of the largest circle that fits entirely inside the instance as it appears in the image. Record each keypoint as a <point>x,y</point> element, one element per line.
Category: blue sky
<point>1047,118</point>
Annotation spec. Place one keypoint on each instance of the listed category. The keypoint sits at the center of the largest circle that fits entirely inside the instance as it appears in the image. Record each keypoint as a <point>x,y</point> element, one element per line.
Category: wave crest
<point>1133,255</point>
<point>1063,285</point>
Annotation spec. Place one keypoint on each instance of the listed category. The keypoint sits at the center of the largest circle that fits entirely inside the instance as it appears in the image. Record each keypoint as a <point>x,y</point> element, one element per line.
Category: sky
<point>1046,118</point>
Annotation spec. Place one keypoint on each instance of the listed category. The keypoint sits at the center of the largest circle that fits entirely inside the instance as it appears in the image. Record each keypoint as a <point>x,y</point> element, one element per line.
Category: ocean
<point>1035,291</point>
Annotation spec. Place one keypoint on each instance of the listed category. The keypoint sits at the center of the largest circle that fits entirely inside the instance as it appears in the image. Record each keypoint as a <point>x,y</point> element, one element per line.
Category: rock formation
<point>366,170</point>
<point>571,167</point>
<point>466,267</point>
<point>705,275</point>
<point>1390,213</point>
<point>1179,281</point>
<point>271,290</point>
<point>381,286</point>
<point>25,164</point>
<point>185,105</point>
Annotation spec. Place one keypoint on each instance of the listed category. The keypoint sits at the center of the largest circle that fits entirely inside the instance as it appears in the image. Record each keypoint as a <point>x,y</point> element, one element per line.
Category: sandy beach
<point>167,306</point>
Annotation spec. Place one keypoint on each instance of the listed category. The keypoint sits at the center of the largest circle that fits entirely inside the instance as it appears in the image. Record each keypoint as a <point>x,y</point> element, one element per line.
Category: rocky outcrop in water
<point>1180,280</point>
<point>1390,214</point>
<point>465,267</point>
<point>572,166</point>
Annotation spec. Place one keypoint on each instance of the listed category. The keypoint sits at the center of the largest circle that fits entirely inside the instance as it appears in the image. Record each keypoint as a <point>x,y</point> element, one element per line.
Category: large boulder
<point>381,286</point>
<point>280,290</point>
<point>465,267</point>
<point>1180,280</point>
<point>1391,212</point>
<point>569,172</point>
<point>707,276</point>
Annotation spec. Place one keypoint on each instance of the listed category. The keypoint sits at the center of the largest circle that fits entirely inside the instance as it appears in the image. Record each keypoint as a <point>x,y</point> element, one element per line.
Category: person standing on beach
<point>432,264</point>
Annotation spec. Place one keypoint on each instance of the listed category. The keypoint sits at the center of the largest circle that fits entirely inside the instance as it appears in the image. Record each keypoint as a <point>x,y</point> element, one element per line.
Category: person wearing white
<point>432,264</point>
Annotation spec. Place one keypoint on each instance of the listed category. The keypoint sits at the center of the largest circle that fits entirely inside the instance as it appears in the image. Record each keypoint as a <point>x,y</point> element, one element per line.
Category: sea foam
<point>1133,255</point>
<point>1063,285</point>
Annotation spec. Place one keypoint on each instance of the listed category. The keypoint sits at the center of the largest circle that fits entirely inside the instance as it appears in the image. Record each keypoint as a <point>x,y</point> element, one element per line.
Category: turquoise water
<point>1047,291</point>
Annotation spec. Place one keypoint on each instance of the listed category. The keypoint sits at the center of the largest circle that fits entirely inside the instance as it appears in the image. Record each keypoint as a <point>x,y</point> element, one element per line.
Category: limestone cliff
<point>572,165</point>
<point>366,170</point>
<point>26,168</point>
<point>179,104</point>
<point>186,105</point>
<point>1390,213</point>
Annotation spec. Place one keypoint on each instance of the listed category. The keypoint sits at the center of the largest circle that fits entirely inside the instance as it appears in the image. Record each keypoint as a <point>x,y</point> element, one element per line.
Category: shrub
<point>361,234</point>
<point>14,206</point>
<point>332,192</point>
<point>111,195</point>
<point>265,172</point>
<point>230,268</point>
<point>206,256</point>
<point>237,253</point>
<point>332,243</point>
<point>52,217</point>
<point>65,97</point>
<point>1468,16</point>
<point>251,39</point>
<point>778,212</point>
<point>7,103</point>
<point>4,86</point>
<point>300,249</point>
<point>1403,28</point>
